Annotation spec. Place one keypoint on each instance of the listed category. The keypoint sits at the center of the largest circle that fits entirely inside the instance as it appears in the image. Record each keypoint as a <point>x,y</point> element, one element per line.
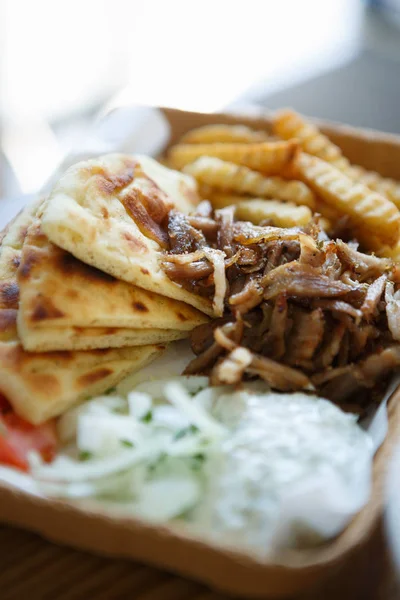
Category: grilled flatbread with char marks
<point>68,305</point>
<point>111,214</point>
<point>43,385</point>
<point>91,338</point>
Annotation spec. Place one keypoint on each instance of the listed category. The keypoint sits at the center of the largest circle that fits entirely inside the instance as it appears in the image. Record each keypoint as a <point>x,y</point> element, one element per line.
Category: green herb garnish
<point>127,443</point>
<point>185,431</point>
<point>85,455</point>
<point>147,417</point>
<point>197,461</point>
<point>200,457</point>
<point>158,462</point>
<point>111,390</point>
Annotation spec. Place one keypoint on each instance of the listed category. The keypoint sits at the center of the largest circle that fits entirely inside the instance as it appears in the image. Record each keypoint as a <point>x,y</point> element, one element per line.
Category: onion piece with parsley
<point>145,449</point>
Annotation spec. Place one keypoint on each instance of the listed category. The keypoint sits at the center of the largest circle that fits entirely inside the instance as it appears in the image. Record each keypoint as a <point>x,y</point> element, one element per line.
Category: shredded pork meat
<point>307,333</point>
<point>294,308</point>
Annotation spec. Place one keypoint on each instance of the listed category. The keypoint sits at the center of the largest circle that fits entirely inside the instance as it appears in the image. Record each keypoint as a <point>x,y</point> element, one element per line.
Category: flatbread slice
<point>62,299</point>
<point>43,385</point>
<point>108,213</point>
<point>90,338</point>
<point>14,233</point>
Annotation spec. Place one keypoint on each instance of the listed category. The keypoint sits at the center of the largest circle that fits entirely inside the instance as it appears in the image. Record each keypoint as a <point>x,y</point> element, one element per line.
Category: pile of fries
<point>288,178</point>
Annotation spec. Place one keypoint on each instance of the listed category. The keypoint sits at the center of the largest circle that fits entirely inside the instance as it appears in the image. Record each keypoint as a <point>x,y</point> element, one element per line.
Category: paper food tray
<point>84,525</point>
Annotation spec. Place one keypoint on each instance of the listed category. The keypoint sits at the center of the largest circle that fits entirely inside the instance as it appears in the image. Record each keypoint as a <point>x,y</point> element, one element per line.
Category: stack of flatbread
<point>83,298</point>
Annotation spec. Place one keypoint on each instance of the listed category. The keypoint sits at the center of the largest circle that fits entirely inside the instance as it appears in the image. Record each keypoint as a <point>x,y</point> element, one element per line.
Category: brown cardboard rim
<point>87,527</point>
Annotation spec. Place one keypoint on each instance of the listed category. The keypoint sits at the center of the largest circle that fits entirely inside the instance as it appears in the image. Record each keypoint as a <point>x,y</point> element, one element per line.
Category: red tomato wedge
<point>18,438</point>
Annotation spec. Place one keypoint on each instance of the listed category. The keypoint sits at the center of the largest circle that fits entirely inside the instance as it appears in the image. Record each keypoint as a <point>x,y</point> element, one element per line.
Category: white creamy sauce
<point>246,468</point>
<point>278,445</point>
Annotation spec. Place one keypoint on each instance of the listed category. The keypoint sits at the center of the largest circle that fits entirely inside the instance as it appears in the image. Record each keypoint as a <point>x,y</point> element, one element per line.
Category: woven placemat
<point>32,568</point>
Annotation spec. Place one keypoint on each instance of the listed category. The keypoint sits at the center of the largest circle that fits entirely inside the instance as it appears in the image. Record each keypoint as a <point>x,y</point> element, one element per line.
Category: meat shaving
<point>332,346</point>
<point>231,369</point>
<point>275,342</point>
<point>292,307</point>
<point>308,331</point>
<point>392,299</point>
<point>373,296</point>
<point>295,279</point>
<point>216,257</point>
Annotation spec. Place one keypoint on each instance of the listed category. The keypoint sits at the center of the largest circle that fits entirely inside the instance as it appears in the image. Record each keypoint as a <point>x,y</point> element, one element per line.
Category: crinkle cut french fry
<point>372,243</point>
<point>288,124</point>
<point>210,134</point>
<point>270,158</point>
<point>387,252</point>
<point>368,209</point>
<point>330,217</point>
<point>220,200</point>
<point>327,211</point>
<point>230,177</point>
<point>384,185</point>
<point>325,224</point>
<point>205,191</point>
<point>368,241</point>
<point>281,214</point>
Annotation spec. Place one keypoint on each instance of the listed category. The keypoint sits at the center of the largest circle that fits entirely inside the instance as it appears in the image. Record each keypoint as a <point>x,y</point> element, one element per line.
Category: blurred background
<point>62,63</point>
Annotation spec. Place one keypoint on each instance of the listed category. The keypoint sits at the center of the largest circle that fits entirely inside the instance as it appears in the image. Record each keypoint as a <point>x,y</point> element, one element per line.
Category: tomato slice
<point>18,438</point>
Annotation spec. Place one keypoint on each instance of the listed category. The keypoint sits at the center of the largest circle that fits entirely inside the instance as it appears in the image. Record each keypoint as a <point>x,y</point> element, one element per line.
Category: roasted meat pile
<point>295,308</point>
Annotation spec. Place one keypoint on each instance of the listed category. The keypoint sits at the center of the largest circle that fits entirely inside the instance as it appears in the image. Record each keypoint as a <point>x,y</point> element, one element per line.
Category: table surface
<point>39,570</point>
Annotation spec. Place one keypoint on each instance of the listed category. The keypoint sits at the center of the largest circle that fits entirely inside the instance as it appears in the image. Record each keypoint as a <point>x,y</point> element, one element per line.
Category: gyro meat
<point>296,309</point>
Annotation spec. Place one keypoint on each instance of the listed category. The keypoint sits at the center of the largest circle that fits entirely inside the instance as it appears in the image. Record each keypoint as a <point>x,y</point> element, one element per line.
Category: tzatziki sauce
<point>293,468</point>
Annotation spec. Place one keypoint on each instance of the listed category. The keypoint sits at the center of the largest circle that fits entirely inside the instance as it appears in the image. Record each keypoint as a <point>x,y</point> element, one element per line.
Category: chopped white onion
<point>102,434</point>
<point>140,404</point>
<point>179,398</point>
<point>138,450</point>
<point>216,257</point>
<point>67,423</point>
<point>156,388</point>
<point>165,415</point>
<point>71,470</point>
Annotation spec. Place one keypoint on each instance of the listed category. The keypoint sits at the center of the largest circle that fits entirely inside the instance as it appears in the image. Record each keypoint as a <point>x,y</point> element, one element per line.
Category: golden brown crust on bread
<point>123,244</point>
<point>42,385</point>
<point>58,291</point>
<point>91,338</point>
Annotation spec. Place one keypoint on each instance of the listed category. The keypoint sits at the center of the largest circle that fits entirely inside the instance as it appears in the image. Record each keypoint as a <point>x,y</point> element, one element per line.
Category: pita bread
<point>14,233</point>
<point>88,213</point>
<point>66,304</point>
<point>43,385</point>
<point>179,187</point>
<point>91,338</point>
